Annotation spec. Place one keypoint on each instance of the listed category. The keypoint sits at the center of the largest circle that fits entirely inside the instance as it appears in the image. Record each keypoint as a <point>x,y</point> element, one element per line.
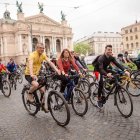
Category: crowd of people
<point>68,60</point>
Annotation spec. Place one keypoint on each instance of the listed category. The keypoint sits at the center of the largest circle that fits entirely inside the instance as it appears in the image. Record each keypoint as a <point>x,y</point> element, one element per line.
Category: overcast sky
<point>84,16</point>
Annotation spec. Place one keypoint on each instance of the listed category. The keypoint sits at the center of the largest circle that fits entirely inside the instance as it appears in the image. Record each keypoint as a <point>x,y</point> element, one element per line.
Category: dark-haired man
<point>101,64</point>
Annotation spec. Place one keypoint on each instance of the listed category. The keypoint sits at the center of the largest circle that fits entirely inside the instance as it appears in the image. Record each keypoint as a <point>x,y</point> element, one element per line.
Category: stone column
<point>55,45</point>
<point>64,43</point>
<point>43,40</point>
<point>29,44</point>
<point>5,46</point>
<point>20,44</point>
<point>1,46</point>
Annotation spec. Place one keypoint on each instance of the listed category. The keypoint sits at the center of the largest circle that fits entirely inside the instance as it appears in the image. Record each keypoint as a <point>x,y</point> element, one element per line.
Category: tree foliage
<point>82,48</point>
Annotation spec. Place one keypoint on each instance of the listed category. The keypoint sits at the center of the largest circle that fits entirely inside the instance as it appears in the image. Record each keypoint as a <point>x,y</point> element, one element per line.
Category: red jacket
<point>2,67</point>
<point>65,65</point>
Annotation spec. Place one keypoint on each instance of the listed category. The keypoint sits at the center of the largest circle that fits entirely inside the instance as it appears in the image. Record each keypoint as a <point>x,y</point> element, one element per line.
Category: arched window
<point>132,46</point>
<point>47,45</point>
<point>35,41</point>
<point>58,45</point>
<point>127,46</point>
<point>137,45</point>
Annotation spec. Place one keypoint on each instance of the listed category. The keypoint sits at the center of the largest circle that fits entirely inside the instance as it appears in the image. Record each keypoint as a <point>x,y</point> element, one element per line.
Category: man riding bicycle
<point>100,65</point>
<point>2,69</point>
<point>32,70</point>
<point>11,66</point>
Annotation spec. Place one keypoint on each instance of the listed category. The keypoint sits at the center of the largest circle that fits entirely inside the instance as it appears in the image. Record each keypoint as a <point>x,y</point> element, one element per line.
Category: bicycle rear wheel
<point>94,93</point>
<point>133,87</point>
<point>6,88</point>
<point>79,102</point>
<point>58,108</point>
<point>124,102</point>
<point>32,108</point>
<point>85,87</point>
<point>90,78</point>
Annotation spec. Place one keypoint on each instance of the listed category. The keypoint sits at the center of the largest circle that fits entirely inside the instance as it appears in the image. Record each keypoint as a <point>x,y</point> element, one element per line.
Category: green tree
<point>82,48</point>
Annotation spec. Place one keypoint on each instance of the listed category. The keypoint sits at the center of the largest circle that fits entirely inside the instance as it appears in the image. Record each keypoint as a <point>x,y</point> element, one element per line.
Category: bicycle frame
<point>115,86</point>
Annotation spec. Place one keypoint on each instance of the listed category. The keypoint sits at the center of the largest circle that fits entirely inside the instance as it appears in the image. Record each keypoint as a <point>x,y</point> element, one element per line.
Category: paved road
<point>16,124</point>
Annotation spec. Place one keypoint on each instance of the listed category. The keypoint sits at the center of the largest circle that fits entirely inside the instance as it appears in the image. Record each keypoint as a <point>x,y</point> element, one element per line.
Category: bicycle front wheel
<point>124,102</point>
<point>6,88</point>
<point>58,108</point>
<point>133,87</point>
<point>79,102</point>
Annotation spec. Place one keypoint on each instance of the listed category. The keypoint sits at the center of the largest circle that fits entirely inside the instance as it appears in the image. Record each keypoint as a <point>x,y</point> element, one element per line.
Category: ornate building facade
<point>99,40</point>
<point>131,38</point>
<point>19,37</point>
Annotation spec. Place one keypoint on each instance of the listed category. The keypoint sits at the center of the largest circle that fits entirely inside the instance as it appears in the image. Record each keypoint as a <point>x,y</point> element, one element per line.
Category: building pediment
<point>42,19</point>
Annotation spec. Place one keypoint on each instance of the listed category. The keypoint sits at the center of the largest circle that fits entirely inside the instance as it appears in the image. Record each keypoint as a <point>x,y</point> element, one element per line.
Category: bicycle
<point>132,85</point>
<point>75,96</point>
<point>53,102</point>
<point>6,85</point>
<point>121,96</point>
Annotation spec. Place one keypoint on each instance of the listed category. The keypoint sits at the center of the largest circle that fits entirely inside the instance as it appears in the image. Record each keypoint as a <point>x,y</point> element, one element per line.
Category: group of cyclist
<point>67,61</point>
<point>10,68</point>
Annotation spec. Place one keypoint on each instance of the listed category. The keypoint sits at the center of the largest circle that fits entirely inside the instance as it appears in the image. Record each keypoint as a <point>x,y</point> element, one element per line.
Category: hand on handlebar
<point>109,75</point>
<point>127,73</point>
<point>34,77</point>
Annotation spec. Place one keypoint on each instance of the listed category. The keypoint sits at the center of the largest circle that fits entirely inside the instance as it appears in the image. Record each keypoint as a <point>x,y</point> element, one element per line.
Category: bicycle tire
<point>26,103</point>
<point>119,96</point>
<point>94,93</point>
<point>57,106</point>
<point>88,77</point>
<point>4,88</point>
<point>136,84</point>
<point>82,84</point>
<point>82,98</point>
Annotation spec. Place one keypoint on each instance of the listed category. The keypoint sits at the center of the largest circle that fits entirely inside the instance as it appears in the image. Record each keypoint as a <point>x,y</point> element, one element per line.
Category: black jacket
<point>103,62</point>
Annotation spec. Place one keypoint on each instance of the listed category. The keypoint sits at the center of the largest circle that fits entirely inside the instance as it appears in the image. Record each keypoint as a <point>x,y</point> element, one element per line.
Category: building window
<point>135,29</point>
<point>34,42</point>
<point>131,37</point>
<point>130,30</point>
<point>126,38</point>
<point>98,39</point>
<point>127,46</point>
<point>137,45</point>
<point>132,46</point>
<point>136,36</point>
<point>126,31</point>
<point>58,45</point>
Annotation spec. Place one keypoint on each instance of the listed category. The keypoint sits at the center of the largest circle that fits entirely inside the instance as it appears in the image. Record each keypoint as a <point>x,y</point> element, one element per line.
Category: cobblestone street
<point>16,124</point>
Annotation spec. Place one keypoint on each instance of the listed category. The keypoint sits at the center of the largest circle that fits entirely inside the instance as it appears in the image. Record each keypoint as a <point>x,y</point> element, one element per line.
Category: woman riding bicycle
<point>65,63</point>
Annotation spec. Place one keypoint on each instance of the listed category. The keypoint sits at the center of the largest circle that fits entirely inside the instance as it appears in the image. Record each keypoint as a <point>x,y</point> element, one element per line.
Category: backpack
<point>95,61</point>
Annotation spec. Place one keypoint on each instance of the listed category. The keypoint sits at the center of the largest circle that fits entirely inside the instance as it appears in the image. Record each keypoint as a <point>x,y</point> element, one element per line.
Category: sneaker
<point>30,98</point>
<point>99,104</point>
